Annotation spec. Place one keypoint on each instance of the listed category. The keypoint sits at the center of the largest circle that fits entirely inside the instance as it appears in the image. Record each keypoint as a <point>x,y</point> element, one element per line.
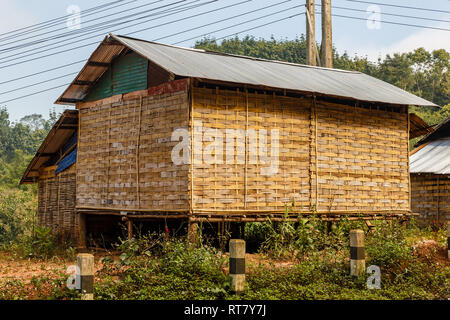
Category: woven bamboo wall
<point>126,132</point>
<point>430,196</point>
<point>362,155</point>
<point>56,202</point>
<point>223,186</point>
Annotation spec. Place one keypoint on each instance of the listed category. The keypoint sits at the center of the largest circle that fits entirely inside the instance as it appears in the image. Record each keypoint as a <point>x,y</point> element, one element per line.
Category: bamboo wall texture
<point>430,196</point>
<point>132,131</point>
<point>361,163</point>
<point>56,202</point>
<point>362,155</point>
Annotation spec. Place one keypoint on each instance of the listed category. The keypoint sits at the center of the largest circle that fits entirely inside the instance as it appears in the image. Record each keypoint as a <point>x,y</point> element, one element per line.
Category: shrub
<point>173,269</point>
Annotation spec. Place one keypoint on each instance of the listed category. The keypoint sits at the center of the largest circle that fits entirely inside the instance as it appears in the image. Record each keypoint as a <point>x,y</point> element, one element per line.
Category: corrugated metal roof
<point>208,65</point>
<point>61,131</point>
<point>432,158</point>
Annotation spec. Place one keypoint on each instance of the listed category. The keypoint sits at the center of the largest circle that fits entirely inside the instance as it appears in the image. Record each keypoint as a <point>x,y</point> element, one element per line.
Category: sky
<point>363,37</point>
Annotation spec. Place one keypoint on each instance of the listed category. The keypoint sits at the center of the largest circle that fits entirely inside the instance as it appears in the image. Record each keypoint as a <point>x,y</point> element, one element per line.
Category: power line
<point>226,19</point>
<point>389,14</point>
<point>77,47</point>
<point>38,83</point>
<point>43,71</point>
<point>84,60</point>
<point>235,25</point>
<point>399,6</point>
<point>235,33</point>
<point>171,35</point>
<point>35,93</point>
<point>261,25</point>
<point>49,23</point>
<point>85,29</point>
<point>389,22</point>
<point>179,9</point>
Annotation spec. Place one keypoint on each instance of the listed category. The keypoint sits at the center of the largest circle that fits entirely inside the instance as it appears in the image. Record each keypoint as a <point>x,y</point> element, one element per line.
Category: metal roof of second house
<point>433,157</point>
<point>207,65</point>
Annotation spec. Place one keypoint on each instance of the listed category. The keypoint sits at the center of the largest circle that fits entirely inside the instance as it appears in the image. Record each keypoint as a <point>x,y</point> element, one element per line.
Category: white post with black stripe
<point>85,267</point>
<point>357,253</point>
<point>237,265</point>
<point>448,240</point>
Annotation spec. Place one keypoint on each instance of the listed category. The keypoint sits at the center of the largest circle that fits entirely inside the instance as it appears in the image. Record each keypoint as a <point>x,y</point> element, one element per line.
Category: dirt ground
<point>25,269</point>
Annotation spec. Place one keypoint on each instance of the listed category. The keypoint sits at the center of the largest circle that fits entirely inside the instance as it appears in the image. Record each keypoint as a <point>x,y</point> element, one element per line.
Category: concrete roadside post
<point>85,265</point>
<point>237,265</point>
<point>357,253</point>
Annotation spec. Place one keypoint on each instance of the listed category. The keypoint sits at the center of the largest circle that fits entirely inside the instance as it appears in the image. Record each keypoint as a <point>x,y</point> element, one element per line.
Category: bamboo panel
<point>332,157</point>
<point>56,204</point>
<point>125,153</point>
<point>362,161</point>
<point>430,196</point>
<point>236,178</point>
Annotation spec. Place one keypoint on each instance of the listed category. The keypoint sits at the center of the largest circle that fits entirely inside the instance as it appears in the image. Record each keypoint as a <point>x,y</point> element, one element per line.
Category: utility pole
<point>310,33</point>
<point>327,45</point>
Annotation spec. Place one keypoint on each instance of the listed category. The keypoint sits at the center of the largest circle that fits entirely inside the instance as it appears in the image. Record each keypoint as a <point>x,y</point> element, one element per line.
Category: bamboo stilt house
<point>175,133</point>
<point>430,175</point>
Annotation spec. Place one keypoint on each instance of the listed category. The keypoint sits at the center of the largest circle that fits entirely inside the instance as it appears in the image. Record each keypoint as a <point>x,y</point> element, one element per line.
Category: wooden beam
<point>98,64</point>
<point>66,100</point>
<point>82,243</point>
<point>82,83</point>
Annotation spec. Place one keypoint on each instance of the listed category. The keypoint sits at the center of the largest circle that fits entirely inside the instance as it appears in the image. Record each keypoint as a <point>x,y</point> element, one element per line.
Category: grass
<point>295,261</point>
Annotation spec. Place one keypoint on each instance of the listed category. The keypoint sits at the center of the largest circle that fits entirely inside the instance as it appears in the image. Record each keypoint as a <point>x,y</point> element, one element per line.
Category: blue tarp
<point>65,163</point>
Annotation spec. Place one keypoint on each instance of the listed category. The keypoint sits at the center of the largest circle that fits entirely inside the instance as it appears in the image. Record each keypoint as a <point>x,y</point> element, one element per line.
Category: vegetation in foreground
<point>295,261</point>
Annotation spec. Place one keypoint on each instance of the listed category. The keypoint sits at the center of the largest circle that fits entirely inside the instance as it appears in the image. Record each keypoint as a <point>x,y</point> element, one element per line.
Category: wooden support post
<point>357,253</point>
<point>237,265</point>
<point>329,227</point>
<point>327,45</point>
<point>82,243</point>
<point>192,232</point>
<point>310,33</point>
<point>130,229</point>
<point>85,268</point>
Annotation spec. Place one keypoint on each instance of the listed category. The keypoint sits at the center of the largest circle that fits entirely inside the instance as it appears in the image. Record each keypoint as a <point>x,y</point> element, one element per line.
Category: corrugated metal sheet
<point>102,89</point>
<point>126,74</point>
<point>432,158</point>
<point>245,70</point>
<point>129,74</point>
<point>61,132</point>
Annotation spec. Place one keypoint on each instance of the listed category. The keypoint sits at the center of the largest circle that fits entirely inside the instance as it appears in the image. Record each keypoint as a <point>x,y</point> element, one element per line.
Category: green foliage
<point>170,269</point>
<point>388,247</point>
<point>17,215</point>
<point>288,239</point>
<point>19,142</point>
